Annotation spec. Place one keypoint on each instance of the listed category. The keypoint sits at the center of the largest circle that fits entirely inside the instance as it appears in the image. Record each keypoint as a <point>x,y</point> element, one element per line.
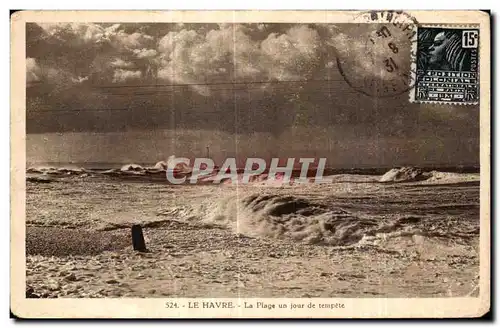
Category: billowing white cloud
<point>79,79</point>
<point>135,40</point>
<point>75,32</point>
<point>50,75</point>
<point>230,54</point>
<point>87,33</point>
<point>80,52</point>
<point>191,55</point>
<point>120,63</point>
<point>123,75</point>
<point>294,55</point>
<point>145,53</point>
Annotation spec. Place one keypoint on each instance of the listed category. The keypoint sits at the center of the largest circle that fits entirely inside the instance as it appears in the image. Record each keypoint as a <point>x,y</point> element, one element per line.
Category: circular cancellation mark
<point>380,51</point>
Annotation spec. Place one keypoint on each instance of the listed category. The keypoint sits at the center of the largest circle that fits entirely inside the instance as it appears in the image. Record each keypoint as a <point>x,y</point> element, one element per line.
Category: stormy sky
<point>140,92</point>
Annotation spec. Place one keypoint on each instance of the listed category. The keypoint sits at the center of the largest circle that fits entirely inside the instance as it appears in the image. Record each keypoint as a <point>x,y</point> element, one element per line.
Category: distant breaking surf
<point>157,173</point>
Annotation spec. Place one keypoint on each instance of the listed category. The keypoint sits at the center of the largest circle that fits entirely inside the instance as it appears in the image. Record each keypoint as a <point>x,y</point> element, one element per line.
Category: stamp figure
<point>447,65</point>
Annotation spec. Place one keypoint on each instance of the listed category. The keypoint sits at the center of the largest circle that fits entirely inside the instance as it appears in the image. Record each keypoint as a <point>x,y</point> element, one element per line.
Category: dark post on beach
<point>138,238</point>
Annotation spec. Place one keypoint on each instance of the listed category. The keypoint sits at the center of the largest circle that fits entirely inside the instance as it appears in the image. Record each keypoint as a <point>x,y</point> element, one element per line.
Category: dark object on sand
<point>138,238</point>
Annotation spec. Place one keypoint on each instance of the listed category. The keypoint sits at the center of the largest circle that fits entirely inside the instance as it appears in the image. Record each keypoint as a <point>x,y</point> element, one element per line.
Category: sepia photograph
<point>252,163</point>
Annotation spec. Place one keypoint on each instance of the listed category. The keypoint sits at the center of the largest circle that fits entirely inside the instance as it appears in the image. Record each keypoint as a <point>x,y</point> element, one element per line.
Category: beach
<point>351,237</point>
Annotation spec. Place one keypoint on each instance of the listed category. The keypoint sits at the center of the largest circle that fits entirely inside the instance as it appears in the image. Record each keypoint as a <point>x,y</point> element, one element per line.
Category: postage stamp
<point>447,65</point>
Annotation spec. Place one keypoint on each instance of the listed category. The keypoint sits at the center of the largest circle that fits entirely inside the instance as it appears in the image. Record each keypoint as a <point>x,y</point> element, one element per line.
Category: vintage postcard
<point>250,164</point>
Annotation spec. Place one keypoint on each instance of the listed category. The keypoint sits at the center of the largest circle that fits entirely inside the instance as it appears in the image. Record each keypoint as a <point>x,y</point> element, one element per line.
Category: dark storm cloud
<point>102,77</point>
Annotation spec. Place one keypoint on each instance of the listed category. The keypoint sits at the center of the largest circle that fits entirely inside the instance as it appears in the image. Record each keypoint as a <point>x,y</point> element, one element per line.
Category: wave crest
<point>286,217</point>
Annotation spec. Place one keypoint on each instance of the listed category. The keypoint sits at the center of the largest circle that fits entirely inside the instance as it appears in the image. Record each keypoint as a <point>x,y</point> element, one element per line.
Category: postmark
<point>380,66</point>
<point>447,65</point>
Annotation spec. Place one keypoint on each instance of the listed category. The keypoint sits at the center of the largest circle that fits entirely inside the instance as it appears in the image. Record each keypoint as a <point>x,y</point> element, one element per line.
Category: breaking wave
<point>132,168</point>
<point>56,170</point>
<point>405,174</point>
<point>412,174</point>
<point>298,219</point>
